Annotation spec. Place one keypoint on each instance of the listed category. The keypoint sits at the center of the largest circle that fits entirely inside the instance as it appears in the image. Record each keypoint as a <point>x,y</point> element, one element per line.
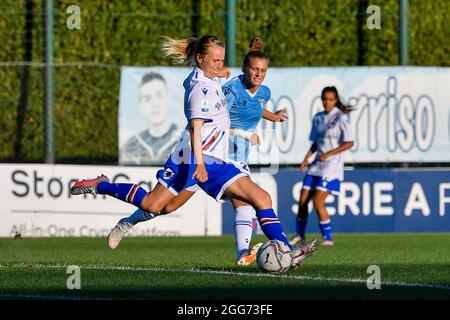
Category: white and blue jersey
<point>328,131</point>
<point>246,110</point>
<point>205,100</point>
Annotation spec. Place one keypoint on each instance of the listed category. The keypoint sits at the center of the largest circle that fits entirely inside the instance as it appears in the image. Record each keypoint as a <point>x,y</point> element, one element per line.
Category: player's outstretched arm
<point>252,137</point>
<point>310,152</point>
<point>278,116</point>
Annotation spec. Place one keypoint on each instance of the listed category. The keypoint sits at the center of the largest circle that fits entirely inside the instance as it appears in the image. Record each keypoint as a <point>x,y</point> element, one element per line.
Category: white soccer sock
<point>243,228</point>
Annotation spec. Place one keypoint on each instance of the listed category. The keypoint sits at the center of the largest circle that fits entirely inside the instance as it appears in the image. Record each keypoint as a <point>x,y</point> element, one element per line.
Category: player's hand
<point>324,156</point>
<point>281,115</point>
<point>254,139</point>
<point>200,173</point>
<point>304,165</point>
<point>225,73</point>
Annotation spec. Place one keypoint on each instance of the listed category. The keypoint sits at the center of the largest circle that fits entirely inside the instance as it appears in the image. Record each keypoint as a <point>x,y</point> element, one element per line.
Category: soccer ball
<point>274,256</point>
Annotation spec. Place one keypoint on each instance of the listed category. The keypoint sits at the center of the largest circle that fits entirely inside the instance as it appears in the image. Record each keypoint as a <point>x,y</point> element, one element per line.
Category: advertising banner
<point>36,203</point>
<point>402,114</point>
<point>370,200</point>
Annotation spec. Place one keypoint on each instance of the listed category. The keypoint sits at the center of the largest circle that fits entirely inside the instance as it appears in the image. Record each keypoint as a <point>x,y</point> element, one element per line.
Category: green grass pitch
<point>412,266</point>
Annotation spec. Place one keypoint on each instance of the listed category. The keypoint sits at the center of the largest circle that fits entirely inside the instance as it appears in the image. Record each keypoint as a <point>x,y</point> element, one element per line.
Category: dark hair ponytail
<point>343,107</point>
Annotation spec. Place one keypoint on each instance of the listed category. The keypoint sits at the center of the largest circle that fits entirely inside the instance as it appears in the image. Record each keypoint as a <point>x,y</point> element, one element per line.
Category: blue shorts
<point>177,176</point>
<point>318,183</point>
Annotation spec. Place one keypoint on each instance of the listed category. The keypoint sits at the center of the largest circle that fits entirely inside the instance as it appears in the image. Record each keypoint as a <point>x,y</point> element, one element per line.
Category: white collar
<point>200,74</point>
<point>332,112</point>
<point>252,95</point>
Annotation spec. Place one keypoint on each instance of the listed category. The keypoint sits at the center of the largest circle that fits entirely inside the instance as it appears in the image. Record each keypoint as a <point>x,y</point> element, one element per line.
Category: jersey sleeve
<point>346,130</point>
<point>231,97</point>
<point>313,133</point>
<point>199,105</point>
<point>268,93</point>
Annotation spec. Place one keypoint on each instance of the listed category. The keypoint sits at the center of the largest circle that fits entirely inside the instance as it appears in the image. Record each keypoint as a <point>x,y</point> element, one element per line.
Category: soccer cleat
<point>327,243</point>
<point>301,253</point>
<point>116,235</point>
<point>247,258</point>
<point>87,186</point>
<point>296,240</point>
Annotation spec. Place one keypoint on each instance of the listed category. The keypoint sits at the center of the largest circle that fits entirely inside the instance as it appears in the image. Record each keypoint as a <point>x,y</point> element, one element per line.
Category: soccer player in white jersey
<point>331,136</point>
<point>202,154</point>
<point>247,98</point>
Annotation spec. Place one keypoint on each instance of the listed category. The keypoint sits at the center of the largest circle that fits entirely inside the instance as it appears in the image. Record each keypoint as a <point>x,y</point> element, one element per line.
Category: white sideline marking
<point>205,271</point>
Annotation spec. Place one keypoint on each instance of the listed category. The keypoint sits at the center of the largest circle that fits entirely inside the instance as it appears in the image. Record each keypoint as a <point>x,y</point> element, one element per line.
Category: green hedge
<point>115,33</point>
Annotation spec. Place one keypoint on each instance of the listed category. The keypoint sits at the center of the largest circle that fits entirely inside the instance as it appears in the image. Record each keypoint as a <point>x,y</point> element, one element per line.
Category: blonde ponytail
<point>180,51</point>
<point>183,51</point>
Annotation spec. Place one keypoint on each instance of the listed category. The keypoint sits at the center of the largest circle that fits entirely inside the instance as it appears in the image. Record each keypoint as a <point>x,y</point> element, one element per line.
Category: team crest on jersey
<point>168,173</point>
<point>205,91</point>
<point>218,106</point>
<point>205,106</point>
<point>244,102</point>
<point>262,102</point>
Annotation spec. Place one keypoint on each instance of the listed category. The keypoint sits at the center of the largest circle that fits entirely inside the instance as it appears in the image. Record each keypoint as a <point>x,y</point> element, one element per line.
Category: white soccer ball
<point>274,256</point>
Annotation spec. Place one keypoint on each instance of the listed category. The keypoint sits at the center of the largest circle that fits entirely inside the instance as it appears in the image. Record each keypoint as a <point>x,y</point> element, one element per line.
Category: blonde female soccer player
<point>331,135</point>
<point>202,154</point>
<point>246,98</point>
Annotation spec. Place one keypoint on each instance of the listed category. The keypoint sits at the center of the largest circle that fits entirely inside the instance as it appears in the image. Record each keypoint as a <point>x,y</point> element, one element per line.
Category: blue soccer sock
<point>325,228</point>
<point>138,216</point>
<point>127,192</point>
<point>300,226</point>
<point>271,226</point>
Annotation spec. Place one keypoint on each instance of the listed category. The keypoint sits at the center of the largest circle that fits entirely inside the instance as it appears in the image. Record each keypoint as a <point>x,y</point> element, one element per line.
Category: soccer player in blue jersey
<point>331,135</point>
<point>247,98</point>
<point>202,154</point>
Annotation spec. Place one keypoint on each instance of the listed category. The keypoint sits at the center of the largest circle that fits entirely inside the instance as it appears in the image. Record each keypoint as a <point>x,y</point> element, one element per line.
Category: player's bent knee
<point>303,203</point>
<point>263,199</point>
<point>168,209</point>
<point>318,203</point>
<point>153,207</point>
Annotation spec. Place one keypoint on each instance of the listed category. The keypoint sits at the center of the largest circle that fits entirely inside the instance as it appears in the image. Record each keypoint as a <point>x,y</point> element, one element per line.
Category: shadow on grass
<point>33,283</point>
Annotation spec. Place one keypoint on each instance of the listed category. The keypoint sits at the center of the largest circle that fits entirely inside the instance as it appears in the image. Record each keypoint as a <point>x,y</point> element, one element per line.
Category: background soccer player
<point>331,136</point>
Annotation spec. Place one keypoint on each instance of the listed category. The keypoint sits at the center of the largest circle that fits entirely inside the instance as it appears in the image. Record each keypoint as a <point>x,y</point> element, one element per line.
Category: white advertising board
<point>35,201</point>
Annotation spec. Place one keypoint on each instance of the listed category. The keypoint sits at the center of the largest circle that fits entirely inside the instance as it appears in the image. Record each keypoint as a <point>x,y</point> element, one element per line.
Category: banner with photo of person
<point>402,114</point>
